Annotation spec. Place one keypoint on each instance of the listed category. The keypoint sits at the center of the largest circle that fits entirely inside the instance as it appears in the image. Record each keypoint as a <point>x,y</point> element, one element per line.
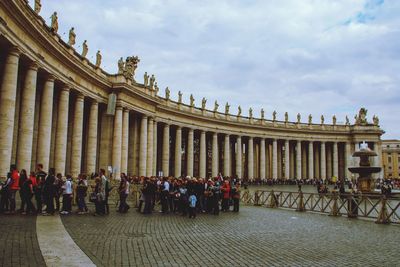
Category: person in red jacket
<point>226,194</point>
<point>14,187</point>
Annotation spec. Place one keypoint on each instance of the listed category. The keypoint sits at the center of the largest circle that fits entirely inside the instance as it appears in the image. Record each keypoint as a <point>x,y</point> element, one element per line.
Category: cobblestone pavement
<point>254,237</point>
<point>18,241</point>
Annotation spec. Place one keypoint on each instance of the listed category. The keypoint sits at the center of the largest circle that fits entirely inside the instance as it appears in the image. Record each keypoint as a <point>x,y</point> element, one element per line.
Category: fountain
<point>365,184</point>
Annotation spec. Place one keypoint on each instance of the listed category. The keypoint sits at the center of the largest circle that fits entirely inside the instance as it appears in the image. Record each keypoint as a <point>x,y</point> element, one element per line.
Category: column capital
<point>50,77</point>
<point>144,116</point>
<point>33,66</point>
<point>15,51</point>
<point>178,127</point>
<point>80,97</point>
<point>66,88</point>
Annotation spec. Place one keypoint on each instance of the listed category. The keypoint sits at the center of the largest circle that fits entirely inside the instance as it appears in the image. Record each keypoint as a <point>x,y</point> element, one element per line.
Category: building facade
<point>53,110</point>
<point>391,159</point>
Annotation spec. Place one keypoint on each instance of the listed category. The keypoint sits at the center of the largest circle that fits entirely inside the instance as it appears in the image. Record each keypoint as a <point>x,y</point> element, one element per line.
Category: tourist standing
<point>105,187</point>
<point>5,200</point>
<point>236,196</point>
<point>67,196</point>
<point>123,194</point>
<point>226,191</point>
<point>164,195</point>
<point>48,192</point>
<point>14,187</point>
<point>22,178</point>
<point>40,179</point>
<point>58,190</point>
<point>81,191</point>
<point>27,194</point>
<point>192,205</point>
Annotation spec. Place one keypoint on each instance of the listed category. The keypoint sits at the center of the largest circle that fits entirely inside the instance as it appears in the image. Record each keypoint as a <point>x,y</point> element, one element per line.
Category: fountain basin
<point>365,170</point>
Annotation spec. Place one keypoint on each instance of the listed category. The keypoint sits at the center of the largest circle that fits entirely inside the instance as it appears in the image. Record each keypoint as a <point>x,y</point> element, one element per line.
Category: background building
<point>391,158</point>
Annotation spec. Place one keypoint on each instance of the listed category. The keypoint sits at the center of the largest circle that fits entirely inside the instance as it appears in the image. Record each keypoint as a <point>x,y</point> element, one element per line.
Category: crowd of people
<point>185,196</point>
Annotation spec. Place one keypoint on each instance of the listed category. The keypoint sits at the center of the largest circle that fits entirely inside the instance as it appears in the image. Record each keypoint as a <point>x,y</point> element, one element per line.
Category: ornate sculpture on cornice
<point>216,106</point>
<point>322,119</point>
<point>239,111</point>
<point>298,118</point>
<point>85,49</point>
<point>72,36</point>
<point>179,97</point>
<point>130,67</point>
<point>227,106</point>
<point>310,119</point>
<point>121,66</point>
<point>262,114</point>
<point>156,89</point>
<point>146,79</point>
<point>361,119</point>
<point>54,22</point>
<point>167,93</point>
<point>203,103</point>
<point>38,6</point>
<point>98,59</point>
<point>375,119</point>
<point>191,101</point>
<point>152,81</point>
<point>274,115</point>
<point>334,120</point>
<point>250,113</point>
<point>286,117</point>
<point>347,120</point>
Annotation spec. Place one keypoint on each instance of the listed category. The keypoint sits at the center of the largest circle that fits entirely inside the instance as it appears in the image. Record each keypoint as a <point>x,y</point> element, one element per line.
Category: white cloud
<point>319,57</point>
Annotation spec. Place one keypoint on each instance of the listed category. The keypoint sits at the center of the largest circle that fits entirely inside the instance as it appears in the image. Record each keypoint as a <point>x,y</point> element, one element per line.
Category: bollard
<point>256,199</point>
<point>300,205</point>
<point>335,210</point>
<point>383,217</point>
<point>272,201</point>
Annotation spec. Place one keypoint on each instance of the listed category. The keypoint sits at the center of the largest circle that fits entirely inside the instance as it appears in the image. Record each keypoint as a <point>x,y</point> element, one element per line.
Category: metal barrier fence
<point>380,208</point>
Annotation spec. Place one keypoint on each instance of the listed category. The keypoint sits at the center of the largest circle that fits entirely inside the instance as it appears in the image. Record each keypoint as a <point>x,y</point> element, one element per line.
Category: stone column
<point>77,132</point>
<point>227,153</point>
<point>45,123</point>
<point>323,161</point>
<point>27,115</point>
<point>214,164</point>
<point>60,156</point>
<point>91,154</point>
<point>149,163</point>
<point>125,141</point>
<point>143,146</point>
<point>178,152</point>
<point>262,159</point>
<point>274,159</point>
<point>292,160</point>
<point>377,161</point>
<point>287,159</point>
<point>298,160</point>
<point>310,160</point>
<point>8,95</point>
<point>239,157</point>
<point>250,158</point>
<point>165,151</point>
<point>117,143</point>
<point>348,160</point>
<point>155,154</point>
<point>335,160</point>
<point>202,163</point>
<point>190,150</point>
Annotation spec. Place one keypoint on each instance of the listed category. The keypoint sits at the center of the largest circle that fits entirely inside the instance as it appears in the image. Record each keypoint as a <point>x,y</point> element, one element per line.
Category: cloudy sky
<point>310,56</point>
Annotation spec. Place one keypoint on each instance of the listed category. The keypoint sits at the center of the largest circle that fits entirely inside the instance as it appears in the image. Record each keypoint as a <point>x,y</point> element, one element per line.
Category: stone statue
<point>322,119</point>
<point>347,120</point>
<point>298,117</point>
<point>152,81</point>
<point>121,66</point>
<point>362,117</point>
<point>309,119</point>
<point>54,22</point>
<point>85,49</point>
<point>179,97</point>
<point>191,100</point>
<point>227,106</point>
<point>334,120</point>
<point>130,67</point>
<point>375,119</point>
<point>167,93</point>
<point>156,89</point>
<point>72,36</point>
<point>98,59</point>
<point>239,111</point>
<point>146,79</point>
<point>250,113</point>
<point>262,114</point>
<point>286,117</point>
<point>274,115</point>
<point>203,103</point>
<point>216,106</point>
<point>38,6</point>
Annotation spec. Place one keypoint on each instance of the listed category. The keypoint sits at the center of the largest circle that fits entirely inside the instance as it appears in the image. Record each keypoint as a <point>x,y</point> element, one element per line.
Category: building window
<point>389,159</point>
<point>387,146</point>
<point>390,167</point>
